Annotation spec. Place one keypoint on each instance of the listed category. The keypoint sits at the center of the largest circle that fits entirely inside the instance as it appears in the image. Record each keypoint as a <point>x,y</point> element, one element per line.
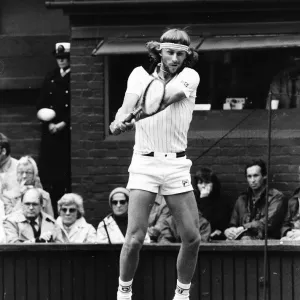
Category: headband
<point>174,46</point>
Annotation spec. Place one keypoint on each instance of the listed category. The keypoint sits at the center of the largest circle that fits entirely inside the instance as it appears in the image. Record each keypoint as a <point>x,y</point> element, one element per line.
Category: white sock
<point>124,290</point>
<point>182,291</point>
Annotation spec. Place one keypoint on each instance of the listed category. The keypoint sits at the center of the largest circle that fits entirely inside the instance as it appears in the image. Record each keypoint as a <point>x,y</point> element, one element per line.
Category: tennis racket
<point>151,99</point>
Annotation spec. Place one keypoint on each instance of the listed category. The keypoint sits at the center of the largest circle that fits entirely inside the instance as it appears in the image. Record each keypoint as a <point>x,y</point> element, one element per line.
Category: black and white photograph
<point>149,150</point>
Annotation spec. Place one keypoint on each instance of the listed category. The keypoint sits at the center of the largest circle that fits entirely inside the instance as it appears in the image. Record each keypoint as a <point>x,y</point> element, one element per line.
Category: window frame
<point>110,46</point>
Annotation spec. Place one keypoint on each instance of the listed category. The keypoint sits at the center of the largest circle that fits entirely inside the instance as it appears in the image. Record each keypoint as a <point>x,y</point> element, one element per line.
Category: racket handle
<point>132,115</point>
<point>129,118</point>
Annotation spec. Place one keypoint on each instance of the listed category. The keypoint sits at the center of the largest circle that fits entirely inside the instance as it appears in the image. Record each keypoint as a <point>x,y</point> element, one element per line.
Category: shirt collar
<point>64,72</point>
<point>37,220</point>
<point>78,223</point>
<point>155,74</point>
<point>5,165</point>
<point>259,196</point>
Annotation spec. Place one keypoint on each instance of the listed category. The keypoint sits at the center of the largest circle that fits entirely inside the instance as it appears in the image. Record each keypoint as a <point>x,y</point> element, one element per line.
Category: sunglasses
<point>122,202</point>
<point>71,210</point>
<point>28,204</point>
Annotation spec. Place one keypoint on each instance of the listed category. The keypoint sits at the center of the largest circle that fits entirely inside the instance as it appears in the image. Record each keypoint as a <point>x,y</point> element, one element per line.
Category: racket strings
<point>153,97</point>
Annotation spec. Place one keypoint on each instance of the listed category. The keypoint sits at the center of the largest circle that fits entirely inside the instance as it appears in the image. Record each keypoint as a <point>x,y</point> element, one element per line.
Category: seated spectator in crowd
<point>2,209</point>
<point>71,226</point>
<point>291,225</point>
<point>169,233</point>
<point>2,216</point>
<point>207,193</point>
<point>112,229</point>
<point>8,164</point>
<point>158,215</point>
<point>248,216</point>
<point>27,177</point>
<point>30,224</point>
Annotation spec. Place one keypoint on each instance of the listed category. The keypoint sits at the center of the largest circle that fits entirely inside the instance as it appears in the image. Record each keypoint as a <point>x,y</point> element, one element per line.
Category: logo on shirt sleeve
<point>185,83</point>
<point>185,182</point>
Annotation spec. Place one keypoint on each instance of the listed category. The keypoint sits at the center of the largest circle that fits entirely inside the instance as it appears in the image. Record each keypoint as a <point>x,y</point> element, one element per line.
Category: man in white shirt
<point>8,165</point>
<point>159,164</point>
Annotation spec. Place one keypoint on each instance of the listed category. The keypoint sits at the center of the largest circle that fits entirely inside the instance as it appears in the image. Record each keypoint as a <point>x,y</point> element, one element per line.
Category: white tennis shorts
<point>164,175</point>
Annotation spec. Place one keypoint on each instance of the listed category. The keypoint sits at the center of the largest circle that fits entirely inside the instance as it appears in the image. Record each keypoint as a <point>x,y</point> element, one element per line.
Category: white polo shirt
<point>167,130</point>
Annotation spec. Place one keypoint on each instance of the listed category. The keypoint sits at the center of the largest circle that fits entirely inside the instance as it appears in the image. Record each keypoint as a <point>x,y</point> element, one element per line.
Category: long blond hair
<point>176,36</point>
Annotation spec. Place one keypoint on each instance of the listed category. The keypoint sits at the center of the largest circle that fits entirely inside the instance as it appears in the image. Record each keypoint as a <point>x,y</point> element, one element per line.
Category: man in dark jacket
<point>170,234</point>
<point>54,163</point>
<point>248,216</point>
<point>285,86</point>
<point>291,225</point>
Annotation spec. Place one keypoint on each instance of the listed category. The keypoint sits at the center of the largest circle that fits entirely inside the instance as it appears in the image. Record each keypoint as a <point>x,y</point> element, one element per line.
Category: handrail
<point>221,246</point>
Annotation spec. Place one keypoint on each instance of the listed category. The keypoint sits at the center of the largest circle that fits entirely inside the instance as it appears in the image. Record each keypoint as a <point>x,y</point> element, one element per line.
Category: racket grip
<point>129,118</point>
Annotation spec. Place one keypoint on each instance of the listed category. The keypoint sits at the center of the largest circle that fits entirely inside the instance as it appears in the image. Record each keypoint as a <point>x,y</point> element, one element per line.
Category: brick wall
<point>87,91</point>
<point>100,163</point>
<point>18,121</point>
<point>229,157</point>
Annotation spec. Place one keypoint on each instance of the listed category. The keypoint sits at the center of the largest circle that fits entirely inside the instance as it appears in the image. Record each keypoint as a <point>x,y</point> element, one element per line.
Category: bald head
<point>32,201</point>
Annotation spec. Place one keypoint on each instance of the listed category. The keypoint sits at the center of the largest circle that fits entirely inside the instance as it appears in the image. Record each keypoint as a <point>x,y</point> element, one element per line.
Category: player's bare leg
<point>140,204</point>
<point>185,212</point>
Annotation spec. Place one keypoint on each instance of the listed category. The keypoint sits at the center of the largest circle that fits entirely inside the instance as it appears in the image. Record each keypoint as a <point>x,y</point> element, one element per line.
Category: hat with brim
<point>62,50</point>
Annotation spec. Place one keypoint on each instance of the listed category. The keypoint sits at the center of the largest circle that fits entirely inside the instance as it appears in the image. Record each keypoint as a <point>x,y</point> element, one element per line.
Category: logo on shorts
<point>185,182</point>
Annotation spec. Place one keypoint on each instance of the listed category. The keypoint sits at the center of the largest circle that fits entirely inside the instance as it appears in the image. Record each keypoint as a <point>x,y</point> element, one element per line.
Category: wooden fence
<point>225,271</point>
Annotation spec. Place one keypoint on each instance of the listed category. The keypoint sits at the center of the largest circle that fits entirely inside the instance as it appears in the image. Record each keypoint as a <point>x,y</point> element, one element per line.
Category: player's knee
<point>192,239</point>
<point>136,238</point>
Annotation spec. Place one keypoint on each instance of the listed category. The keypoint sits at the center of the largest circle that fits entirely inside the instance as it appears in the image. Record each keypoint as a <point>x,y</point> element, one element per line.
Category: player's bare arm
<point>118,125</point>
<point>172,96</point>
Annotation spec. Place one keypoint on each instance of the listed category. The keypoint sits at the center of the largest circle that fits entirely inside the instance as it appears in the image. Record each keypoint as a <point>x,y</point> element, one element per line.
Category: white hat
<point>62,49</point>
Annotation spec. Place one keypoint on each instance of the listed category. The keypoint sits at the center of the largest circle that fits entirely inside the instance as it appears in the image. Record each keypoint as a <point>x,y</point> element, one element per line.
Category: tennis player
<point>159,163</point>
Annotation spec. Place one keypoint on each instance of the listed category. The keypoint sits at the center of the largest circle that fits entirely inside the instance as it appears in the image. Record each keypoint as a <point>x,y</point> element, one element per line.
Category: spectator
<point>207,192</point>
<point>248,216</point>
<point>2,232</point>
<point>54,162</point>
<point>285,86</point>
<point>291,225</point>
<point>30,224</point>
<point>27,177</point>
<point>169,233</point>
<point>71,226</point>
<point>8,164</point>
<point>158,215</point>
<point>112,229</point>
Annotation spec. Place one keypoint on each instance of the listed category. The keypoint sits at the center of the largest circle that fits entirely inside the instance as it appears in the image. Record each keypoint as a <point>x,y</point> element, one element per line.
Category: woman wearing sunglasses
<point>112,229</point>
<point>71,226</point>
